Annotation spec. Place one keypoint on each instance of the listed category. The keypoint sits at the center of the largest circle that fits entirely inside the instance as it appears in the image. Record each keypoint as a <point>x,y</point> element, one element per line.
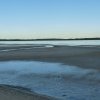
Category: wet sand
<point>12,93</point>
<point>85,57</point>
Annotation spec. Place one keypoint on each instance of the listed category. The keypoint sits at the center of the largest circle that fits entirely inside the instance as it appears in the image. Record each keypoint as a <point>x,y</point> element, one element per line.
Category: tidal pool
<point>53,79</point>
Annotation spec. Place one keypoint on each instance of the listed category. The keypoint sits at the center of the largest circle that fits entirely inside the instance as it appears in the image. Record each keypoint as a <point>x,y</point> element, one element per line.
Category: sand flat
<point>10,93</point>
<point>86,57</point>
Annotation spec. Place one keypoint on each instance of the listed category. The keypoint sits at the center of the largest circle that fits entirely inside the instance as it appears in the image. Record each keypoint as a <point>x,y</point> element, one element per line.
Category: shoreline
<point>85,57</point>
<point>10,92</point>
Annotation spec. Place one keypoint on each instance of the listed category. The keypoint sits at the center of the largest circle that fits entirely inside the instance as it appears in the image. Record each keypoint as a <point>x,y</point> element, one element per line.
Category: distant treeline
<point>50,39</point>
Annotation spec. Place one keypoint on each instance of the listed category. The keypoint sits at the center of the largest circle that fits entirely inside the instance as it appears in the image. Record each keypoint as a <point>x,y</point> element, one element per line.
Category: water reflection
<point>21,67</point>
<point>53,79</point>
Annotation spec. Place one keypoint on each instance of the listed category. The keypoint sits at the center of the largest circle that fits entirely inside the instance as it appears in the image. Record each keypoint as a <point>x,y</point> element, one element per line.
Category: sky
<point>31,19</point>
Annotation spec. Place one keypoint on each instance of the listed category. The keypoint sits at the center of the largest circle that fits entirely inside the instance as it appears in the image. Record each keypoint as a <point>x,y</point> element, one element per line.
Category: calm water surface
<point>70,42</point>
<point>54,79</point>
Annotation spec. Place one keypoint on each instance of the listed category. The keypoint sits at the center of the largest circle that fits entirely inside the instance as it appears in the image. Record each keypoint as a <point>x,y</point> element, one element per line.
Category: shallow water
<point>26,67</point>
<point>54,79</point>
<point>65,42</point>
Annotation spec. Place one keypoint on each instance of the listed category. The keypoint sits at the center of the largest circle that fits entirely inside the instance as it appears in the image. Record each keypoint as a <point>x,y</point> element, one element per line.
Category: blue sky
<point>49,18</point>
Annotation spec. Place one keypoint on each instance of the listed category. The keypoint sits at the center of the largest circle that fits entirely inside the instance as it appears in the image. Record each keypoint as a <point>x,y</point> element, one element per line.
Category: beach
<point>85,57</point>
<point>12,93</point>
<point>49,50</point>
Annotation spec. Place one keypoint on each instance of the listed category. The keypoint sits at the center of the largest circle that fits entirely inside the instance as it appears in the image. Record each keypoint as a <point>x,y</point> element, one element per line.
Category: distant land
<point>49,39</point>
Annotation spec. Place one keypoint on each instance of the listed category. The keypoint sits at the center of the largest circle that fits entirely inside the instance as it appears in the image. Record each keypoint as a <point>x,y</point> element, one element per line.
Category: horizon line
<point>88,38</point>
